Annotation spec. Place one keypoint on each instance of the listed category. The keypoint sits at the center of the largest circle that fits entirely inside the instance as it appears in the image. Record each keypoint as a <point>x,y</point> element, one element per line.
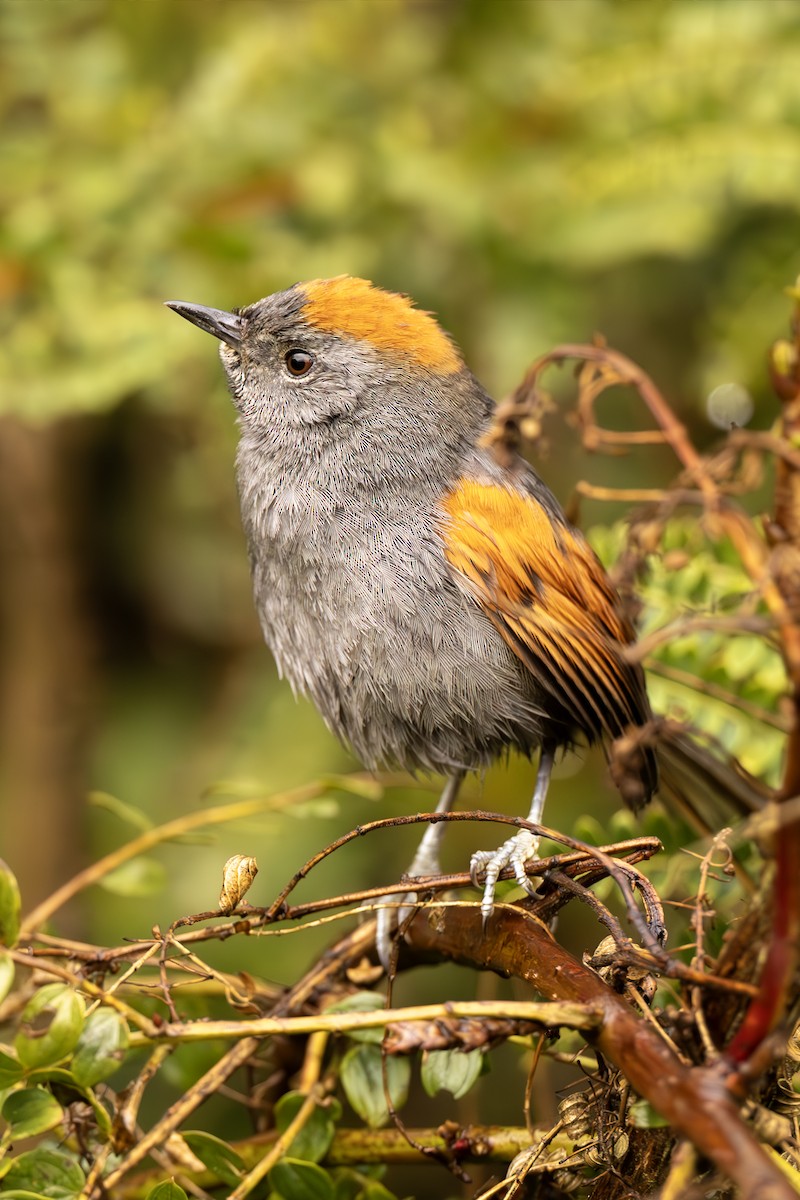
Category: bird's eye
<point>298,362</point>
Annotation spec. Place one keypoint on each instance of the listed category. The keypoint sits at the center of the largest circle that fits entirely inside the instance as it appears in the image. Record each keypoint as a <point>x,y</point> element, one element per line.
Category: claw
<point>513,853</point>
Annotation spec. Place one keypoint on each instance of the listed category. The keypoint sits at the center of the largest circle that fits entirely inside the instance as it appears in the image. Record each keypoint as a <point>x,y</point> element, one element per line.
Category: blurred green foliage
<point>519,166</point>
<point>532,171</point>
<point>694,576</point>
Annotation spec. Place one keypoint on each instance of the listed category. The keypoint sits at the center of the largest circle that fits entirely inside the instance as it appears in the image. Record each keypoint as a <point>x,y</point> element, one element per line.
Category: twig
<point>700,912</point>
<point>548,1015</point>
<point>312,1070</point>
<point>479,1143</point>
<point>218,815</point>
<point>707,687</point>
<point>177,1113</point>
<point>642,649</point>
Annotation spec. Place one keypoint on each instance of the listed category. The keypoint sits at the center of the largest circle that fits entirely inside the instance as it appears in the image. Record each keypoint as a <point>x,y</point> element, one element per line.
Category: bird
<point>436,605</point>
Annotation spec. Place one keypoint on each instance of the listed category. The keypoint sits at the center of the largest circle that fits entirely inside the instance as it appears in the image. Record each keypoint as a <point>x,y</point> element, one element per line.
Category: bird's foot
<point>515,852</point>
<point>388,919</point>
<point>426,863</point>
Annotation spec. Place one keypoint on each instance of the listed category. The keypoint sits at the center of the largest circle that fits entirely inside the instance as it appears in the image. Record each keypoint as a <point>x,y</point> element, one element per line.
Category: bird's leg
<point>518,849</point>
<point>425,862</point>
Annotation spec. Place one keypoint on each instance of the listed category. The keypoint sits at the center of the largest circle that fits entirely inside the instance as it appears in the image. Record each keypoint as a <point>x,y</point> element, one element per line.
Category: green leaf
<point>54,1075</point>
<point>643,1116</point>
<point>452,1071</point>
<point>17,1194</point>
<point>11,1070</point>
<point>359,1002</point>
<point>349,1184</point>
<point>49,1173</point>
<point>51,1025</point>
<point>313,1141</point>
<point>294,1179</point>
<point>30,1111</point>
<point>355,785</point>
<point>6,974</point>
<point>167,1190</point>
<point>66,1080</point>
<point>141,876</point>
<point>126,812</point>
<point>101,1047</point>
<point>362,1080</point>
<point>362,1002</point>
<point>10,906</point>
<point>376,1191</point>
<point>216,1156</point>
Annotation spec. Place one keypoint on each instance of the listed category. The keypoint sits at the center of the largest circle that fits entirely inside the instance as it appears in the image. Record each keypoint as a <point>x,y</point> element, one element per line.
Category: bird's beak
<point>223,325</point>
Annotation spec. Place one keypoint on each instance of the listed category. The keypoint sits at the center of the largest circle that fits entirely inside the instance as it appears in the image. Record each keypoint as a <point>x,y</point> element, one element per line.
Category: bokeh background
<point>532,170</point>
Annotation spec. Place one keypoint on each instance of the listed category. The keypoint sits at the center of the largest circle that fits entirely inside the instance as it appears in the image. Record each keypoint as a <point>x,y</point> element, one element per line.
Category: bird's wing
<point>544,589</point>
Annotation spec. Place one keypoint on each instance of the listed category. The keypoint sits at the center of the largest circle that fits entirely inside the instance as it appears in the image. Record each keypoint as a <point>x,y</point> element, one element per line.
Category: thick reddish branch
<point>770,1005</point>
<point>696,1101</point>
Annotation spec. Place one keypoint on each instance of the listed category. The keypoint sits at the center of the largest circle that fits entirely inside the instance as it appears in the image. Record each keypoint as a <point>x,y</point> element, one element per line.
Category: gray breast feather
<point>362,613</point>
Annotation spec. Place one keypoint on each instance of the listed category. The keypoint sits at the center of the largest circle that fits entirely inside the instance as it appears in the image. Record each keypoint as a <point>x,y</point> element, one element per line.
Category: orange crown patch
<point>355,308</point>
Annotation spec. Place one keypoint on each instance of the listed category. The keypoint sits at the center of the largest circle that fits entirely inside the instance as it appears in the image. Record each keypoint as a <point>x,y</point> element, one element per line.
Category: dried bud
<point>364,973</point>
<point>237,875</point>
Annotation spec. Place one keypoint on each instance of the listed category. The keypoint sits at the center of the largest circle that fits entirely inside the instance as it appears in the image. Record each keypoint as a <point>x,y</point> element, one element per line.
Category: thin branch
<point>177,1113</point>
<point>572,1016</point>
<point>221,814</point>
<point>706,687</point>
<point>312,1070</point>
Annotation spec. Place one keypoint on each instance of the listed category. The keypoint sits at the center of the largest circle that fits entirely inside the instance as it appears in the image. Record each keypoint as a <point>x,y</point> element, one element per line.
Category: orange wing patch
<point>548,595</point>
<point>357,309</point>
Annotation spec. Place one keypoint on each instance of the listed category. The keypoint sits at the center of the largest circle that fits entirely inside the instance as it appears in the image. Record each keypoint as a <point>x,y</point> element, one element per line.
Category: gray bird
<point>437,607</point>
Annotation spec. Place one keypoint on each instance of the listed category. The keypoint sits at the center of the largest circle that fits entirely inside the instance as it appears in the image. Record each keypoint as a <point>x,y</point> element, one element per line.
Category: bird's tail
<point>706,787</point>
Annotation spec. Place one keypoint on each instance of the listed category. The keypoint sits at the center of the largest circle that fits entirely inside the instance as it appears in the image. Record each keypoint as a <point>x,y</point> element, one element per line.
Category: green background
<point>531,171</point>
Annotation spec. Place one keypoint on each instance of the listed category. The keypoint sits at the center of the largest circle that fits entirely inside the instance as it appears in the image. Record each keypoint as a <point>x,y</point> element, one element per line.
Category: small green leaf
<point>359,1002</point>
<point>67,1081</point>
<point>643,1116</point>
<point>349,1184</point>
<point>362,1080</point>
<point>51,1025</point>
<point>376,1191</point>
<point>126,812</point>
<point>17,1194</point>
<point>588,829</point>
<point>49,1173</point>
<point>323,808</point>
<point>452,1071</point>
<point>6,974</point>
<point>50,1075</point>
<point>101,1047</point>
<point>141,876</point>
<point>362,1002</point>
<point>294,1179</point>
<point>168,1189</point>
<point>10,906</point>
<point>313,1141</point>
<point>357,785</point>
<point>622,825</point>
<point>11,1070</point>
<point>30,1111</point>
<point>216,1156</point>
